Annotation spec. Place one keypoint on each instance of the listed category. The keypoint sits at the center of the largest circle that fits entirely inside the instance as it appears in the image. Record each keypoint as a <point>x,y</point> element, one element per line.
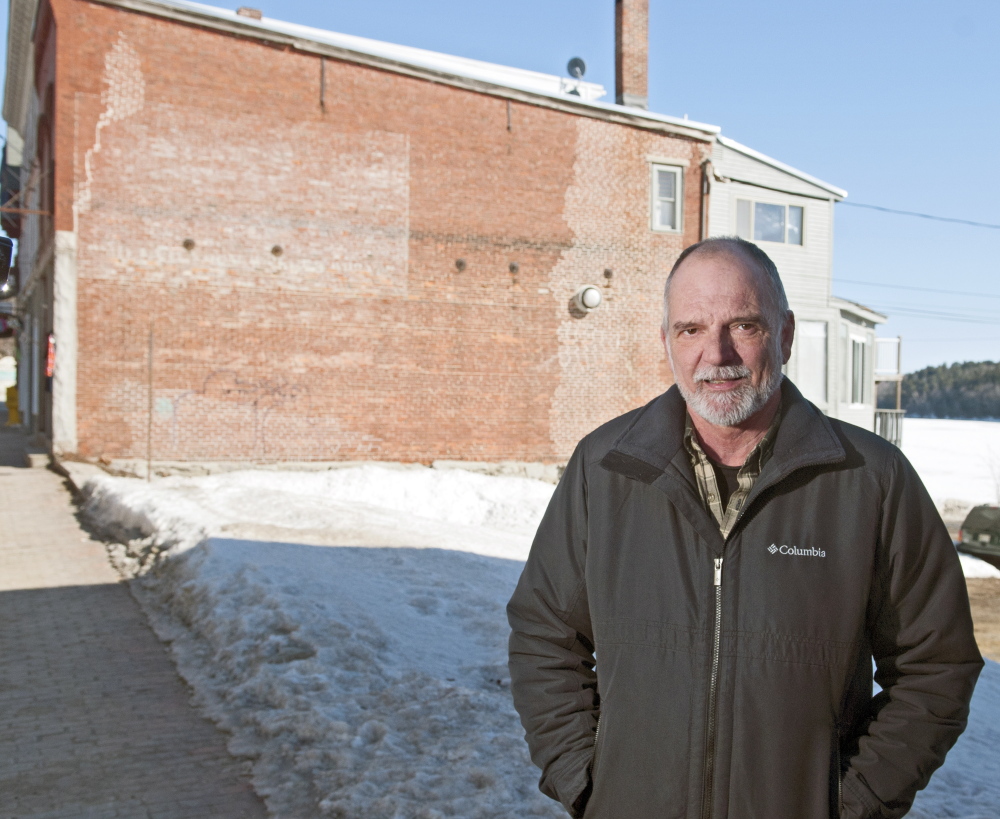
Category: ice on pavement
<point>348,628</point>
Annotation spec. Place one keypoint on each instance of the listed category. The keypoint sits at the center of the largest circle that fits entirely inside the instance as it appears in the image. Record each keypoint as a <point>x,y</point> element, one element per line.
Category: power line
<point>914,312</point>
<point>910,340</point>
<point>922,215</point>
<point>876,304</point>
<point>835,280</point>
<point>965,316</point>
<point>922,289</point>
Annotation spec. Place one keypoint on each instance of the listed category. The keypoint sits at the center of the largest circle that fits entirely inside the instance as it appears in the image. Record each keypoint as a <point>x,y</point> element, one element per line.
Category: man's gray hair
<point>776,302</point>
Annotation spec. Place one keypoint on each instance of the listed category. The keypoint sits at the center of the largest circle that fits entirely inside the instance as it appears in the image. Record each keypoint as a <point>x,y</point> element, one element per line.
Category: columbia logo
<point>795,550</point>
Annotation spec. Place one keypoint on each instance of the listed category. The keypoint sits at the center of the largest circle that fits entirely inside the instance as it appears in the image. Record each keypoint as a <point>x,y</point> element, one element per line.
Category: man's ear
<point>666,345</point>
<point>787,336</point>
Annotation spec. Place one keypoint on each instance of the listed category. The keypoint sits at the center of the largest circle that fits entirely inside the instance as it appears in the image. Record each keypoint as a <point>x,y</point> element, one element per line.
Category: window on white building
<point>811,359</point>
<point>845,363</point>
<point>767,222</point>
<point>861,371</point>
<point>667,197</point>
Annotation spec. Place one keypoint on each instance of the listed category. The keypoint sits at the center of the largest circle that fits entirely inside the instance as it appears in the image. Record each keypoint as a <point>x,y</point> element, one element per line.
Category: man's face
<point>725,354</point>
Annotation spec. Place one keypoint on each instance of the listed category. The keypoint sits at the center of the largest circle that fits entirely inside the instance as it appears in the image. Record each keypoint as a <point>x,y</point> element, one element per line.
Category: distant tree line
<point>967,390</point>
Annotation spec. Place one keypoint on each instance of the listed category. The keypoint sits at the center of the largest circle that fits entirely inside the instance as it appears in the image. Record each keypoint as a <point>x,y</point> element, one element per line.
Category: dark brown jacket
<point>750,698</point>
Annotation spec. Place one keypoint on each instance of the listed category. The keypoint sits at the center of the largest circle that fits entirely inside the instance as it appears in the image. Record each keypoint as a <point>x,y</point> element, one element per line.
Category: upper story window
<point>668,197</point>
<point>767,222</point>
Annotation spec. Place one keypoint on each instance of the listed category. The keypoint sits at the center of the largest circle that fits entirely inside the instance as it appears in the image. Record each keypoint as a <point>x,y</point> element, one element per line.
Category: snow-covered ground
<point>957,460</point>
<point>959,463</point>
<point>967,786</point>
<point>367,680</point>
<point>974,567</point>
<point>348,628</point>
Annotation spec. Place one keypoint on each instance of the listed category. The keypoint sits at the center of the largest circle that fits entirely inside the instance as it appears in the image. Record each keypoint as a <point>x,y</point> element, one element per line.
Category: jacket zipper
<point>713,686</point>
<point>597,734</point>
<point>840,781</point>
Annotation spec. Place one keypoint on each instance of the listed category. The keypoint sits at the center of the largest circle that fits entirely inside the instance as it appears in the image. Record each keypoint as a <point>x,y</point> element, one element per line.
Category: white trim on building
<point>733,145</point>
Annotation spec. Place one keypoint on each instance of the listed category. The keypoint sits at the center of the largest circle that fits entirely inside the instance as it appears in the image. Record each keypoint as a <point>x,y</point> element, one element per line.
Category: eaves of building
<point>824,190</point>
<point>859,310</point>
<point>20,62</point>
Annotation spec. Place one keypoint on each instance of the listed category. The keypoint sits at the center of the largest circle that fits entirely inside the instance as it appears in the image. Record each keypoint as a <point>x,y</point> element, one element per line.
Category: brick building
<point>334,248</point>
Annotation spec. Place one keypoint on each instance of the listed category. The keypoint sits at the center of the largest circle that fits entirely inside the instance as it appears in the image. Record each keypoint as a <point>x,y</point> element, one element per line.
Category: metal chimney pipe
<point>632,53</point>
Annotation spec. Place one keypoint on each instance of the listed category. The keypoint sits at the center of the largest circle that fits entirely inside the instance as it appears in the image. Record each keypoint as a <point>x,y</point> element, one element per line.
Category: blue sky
<point>895,101</point>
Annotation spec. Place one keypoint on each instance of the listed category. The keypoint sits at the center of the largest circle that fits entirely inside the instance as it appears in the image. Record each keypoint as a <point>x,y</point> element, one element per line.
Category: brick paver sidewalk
<point>94,721</point>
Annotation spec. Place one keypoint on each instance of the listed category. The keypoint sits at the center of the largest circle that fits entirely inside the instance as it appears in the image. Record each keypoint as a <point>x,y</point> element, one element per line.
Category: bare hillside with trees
<point>970,389</point>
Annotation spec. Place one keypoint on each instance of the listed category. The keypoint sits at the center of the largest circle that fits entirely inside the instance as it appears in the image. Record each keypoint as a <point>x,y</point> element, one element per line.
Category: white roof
<point>500,76</point>
<point>476,69</point>
<point>781,166</point>
<point>858,309</point>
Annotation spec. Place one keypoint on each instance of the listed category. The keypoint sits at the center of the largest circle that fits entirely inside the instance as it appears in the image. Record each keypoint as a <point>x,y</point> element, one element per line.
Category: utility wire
<point>922,289</point>
<point>888,301</point>
<point>916,312</point>
<point>837,280</point>
<point>910,340</point>
<point>964,315</point>
<point>922,215</point>
<point>933,314</point>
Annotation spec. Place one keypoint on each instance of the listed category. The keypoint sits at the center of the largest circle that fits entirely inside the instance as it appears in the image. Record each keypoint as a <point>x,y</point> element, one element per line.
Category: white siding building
<point>790,215</point>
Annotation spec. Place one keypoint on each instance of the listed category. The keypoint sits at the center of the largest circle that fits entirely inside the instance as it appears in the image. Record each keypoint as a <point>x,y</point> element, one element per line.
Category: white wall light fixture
<point>585,300</point>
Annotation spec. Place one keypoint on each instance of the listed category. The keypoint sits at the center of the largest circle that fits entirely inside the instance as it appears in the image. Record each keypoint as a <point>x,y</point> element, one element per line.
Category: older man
<point>694,629</point>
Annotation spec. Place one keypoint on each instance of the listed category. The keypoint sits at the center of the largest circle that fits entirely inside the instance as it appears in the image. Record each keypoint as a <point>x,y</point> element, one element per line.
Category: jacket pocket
<point>579,807</point>
<point>859,801</point>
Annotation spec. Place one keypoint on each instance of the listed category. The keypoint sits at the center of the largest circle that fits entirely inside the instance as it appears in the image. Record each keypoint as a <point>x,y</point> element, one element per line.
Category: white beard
<point>734,407</point>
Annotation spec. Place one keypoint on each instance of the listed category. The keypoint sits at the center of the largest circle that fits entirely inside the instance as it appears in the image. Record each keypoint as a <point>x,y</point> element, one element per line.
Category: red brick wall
<point>361,339</point>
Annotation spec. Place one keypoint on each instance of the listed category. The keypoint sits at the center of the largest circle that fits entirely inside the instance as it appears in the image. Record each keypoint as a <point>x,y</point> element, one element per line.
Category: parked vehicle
<point>980,532</point>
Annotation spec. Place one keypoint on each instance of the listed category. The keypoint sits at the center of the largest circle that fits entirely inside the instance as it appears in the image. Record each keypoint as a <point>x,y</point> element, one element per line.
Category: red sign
<point>50,360</point>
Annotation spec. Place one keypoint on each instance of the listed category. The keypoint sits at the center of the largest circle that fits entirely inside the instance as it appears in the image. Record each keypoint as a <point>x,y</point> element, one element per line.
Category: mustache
<point>709,373</point>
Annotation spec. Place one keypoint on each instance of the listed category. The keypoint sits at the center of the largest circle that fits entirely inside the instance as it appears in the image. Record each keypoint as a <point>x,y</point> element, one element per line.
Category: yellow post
<point>13,415</point>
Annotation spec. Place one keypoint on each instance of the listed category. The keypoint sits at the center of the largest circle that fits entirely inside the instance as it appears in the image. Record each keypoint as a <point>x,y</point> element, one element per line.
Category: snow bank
<point>967,786</point>
<point>974,567</point>
<point>363,505</point>
<point>362,681</point>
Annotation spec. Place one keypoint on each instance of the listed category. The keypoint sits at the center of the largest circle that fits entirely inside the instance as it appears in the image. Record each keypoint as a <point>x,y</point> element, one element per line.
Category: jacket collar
<point>645,450</point>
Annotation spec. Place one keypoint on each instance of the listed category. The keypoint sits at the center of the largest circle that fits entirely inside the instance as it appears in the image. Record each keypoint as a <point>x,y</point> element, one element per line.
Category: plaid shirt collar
<point>708,485</point>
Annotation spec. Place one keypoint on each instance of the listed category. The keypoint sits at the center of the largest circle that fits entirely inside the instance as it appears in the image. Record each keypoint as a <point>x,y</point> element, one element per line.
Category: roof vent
<point>246,11</point>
